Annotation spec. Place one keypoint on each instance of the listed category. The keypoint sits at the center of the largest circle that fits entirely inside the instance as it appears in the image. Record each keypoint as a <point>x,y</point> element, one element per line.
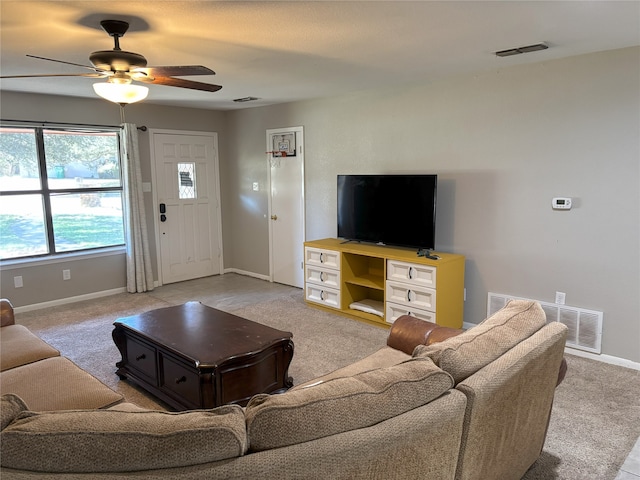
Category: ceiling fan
<point>121,68</point>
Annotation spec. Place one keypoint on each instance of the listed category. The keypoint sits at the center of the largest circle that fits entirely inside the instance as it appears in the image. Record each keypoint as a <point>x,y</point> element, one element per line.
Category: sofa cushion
<point>118,441</point>
<point>57,384</point>
<point>385,357</point>
<point>465,354</point>
<point>19,346</point>
<point>10,407</point>
<point>342,404</point>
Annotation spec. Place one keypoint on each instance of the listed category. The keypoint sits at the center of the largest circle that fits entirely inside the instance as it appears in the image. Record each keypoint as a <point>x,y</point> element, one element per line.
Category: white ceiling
<point>287,51</point>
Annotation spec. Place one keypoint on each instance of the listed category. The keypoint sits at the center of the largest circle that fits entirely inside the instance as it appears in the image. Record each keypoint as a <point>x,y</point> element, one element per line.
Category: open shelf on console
<point>364,271</point>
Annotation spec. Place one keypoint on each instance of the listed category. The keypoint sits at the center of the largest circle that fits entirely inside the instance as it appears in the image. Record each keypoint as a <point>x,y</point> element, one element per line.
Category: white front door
<point>187,204</point>
<point>286,205</point>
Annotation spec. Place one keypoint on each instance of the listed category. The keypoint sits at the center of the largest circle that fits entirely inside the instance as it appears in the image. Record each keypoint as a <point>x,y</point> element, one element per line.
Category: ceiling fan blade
<point>90,75</point>
<point>179,82</point>
<point>175,71</point>
<point>67,63</point>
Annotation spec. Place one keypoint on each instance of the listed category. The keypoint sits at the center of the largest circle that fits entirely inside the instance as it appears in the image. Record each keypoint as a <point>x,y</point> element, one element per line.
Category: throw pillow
<point>342,404</point>
<point>91,441</point>
<point>465,354</point>
<point>10,407</point>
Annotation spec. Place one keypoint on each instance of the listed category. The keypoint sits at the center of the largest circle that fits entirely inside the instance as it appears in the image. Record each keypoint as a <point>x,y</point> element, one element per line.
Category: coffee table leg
<point>121,344</point>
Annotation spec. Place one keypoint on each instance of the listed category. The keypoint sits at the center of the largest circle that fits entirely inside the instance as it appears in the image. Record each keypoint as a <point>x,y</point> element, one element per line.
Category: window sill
<point>60,258</point>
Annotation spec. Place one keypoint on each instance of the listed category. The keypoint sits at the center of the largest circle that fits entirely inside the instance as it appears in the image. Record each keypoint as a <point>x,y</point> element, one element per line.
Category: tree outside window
<point>60,191</point>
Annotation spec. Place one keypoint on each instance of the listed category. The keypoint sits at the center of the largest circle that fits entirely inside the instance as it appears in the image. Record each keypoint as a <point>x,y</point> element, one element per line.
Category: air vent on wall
<point>585,326</point>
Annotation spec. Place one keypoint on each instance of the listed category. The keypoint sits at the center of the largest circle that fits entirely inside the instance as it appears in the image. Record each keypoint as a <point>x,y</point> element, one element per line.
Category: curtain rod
<point>142,128</point>
<point>45,123</point>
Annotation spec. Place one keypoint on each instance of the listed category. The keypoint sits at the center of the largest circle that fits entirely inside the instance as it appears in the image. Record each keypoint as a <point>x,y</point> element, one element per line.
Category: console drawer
<point>142,357</point>
<point>321,257</point>
<point>411,296</point>
<point>395,310</point>
<point>180,379</point>
<point>328,297</point>
<point>322,276</point>
<point>416,274</point>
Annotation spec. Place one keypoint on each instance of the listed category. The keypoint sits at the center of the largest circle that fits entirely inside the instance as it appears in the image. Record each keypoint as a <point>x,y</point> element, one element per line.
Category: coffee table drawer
<point>142,357</point>
<point>179,379</point>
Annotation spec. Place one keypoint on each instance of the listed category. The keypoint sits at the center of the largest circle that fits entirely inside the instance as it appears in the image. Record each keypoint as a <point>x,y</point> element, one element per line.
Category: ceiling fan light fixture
<point>121,93</point>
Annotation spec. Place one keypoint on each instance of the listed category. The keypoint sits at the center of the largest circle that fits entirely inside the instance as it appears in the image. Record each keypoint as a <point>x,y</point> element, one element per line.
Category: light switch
<point>256,186</point>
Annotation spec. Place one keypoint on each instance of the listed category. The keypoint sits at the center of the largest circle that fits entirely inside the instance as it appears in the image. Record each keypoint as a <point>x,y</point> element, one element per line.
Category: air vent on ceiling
<point>585,326</point>
<point>517,51</point>
<point>245,99</point>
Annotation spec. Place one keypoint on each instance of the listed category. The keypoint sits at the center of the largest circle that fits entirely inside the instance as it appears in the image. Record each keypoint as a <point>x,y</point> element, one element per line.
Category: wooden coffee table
<point>193,356</point>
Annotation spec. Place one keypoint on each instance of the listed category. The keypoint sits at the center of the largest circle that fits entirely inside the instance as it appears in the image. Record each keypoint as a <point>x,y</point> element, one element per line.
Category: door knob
<point>274,217</point>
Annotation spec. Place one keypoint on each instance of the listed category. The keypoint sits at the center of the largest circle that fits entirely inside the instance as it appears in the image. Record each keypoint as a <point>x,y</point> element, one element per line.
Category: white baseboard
<point>248,274</point>
<point>621,362</point>
<point>64,301</point>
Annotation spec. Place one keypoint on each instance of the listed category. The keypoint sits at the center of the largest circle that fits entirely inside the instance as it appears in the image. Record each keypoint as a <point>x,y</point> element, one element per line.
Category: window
<point>60,191</point>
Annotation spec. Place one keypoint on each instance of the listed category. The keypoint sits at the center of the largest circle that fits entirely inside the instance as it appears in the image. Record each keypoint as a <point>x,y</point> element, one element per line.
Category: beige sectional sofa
<point>472,406</point>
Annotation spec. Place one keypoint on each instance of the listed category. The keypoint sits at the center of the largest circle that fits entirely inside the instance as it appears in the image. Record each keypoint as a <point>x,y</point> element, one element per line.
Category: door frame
<point>299,131</point>
<point>216,169</point>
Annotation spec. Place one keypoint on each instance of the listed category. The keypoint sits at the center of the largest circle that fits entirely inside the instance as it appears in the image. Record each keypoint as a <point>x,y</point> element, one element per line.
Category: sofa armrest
<point>408,332</point>
<point>6,313</point>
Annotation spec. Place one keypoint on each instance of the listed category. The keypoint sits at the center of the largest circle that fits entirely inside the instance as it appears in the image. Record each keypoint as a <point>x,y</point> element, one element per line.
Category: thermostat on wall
<point>561,203</point>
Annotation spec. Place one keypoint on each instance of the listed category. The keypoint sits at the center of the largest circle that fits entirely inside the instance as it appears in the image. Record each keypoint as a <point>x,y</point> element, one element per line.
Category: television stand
<point>338,274</point>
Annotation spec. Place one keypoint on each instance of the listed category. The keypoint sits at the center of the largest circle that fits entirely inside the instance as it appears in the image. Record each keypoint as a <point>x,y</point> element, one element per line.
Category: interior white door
<point>286,206</point>
<point>187,205</point>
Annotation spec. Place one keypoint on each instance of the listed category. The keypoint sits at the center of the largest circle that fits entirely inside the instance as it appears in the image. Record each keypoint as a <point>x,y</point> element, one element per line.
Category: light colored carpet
<point>596,414</point>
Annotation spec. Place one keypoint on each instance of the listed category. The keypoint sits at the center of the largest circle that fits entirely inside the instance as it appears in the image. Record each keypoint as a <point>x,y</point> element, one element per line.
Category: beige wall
<point>503,143</point>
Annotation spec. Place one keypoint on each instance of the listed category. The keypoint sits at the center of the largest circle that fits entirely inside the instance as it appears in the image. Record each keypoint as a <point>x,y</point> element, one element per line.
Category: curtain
<point>139,272</point>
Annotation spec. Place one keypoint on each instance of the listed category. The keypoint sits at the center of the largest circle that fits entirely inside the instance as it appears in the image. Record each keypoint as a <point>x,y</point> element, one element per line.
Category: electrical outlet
<point>66,274</point>
<point>560,298</point>
<point>17,281</point>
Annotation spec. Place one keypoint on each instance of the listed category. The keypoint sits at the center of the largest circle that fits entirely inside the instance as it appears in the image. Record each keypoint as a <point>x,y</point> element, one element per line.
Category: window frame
<point>46,192</point>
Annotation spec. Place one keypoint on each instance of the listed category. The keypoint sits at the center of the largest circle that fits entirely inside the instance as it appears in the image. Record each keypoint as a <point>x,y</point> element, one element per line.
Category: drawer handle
<point>140,357</point>
<point>321,259</point>
<point>321,295</point>
<point>411,273</point>
<point>182,379</point>
<point>321,276</point>
<point>408,295</point>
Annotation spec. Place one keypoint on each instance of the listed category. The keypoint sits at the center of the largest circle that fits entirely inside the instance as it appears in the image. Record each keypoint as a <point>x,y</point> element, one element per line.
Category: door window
<point>187,181</point>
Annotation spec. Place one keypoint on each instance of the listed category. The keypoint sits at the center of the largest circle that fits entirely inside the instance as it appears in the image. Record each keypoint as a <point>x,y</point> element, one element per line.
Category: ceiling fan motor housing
<point>117,60</point>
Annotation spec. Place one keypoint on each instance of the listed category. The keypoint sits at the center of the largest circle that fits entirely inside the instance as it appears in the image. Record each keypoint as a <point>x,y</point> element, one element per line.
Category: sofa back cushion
<point>342,404</point>
<point>465,354</point>
<point>118,441</point>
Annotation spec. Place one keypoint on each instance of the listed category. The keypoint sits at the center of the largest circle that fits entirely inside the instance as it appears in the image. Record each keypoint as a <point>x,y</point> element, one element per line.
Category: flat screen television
<point>397,210</point>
